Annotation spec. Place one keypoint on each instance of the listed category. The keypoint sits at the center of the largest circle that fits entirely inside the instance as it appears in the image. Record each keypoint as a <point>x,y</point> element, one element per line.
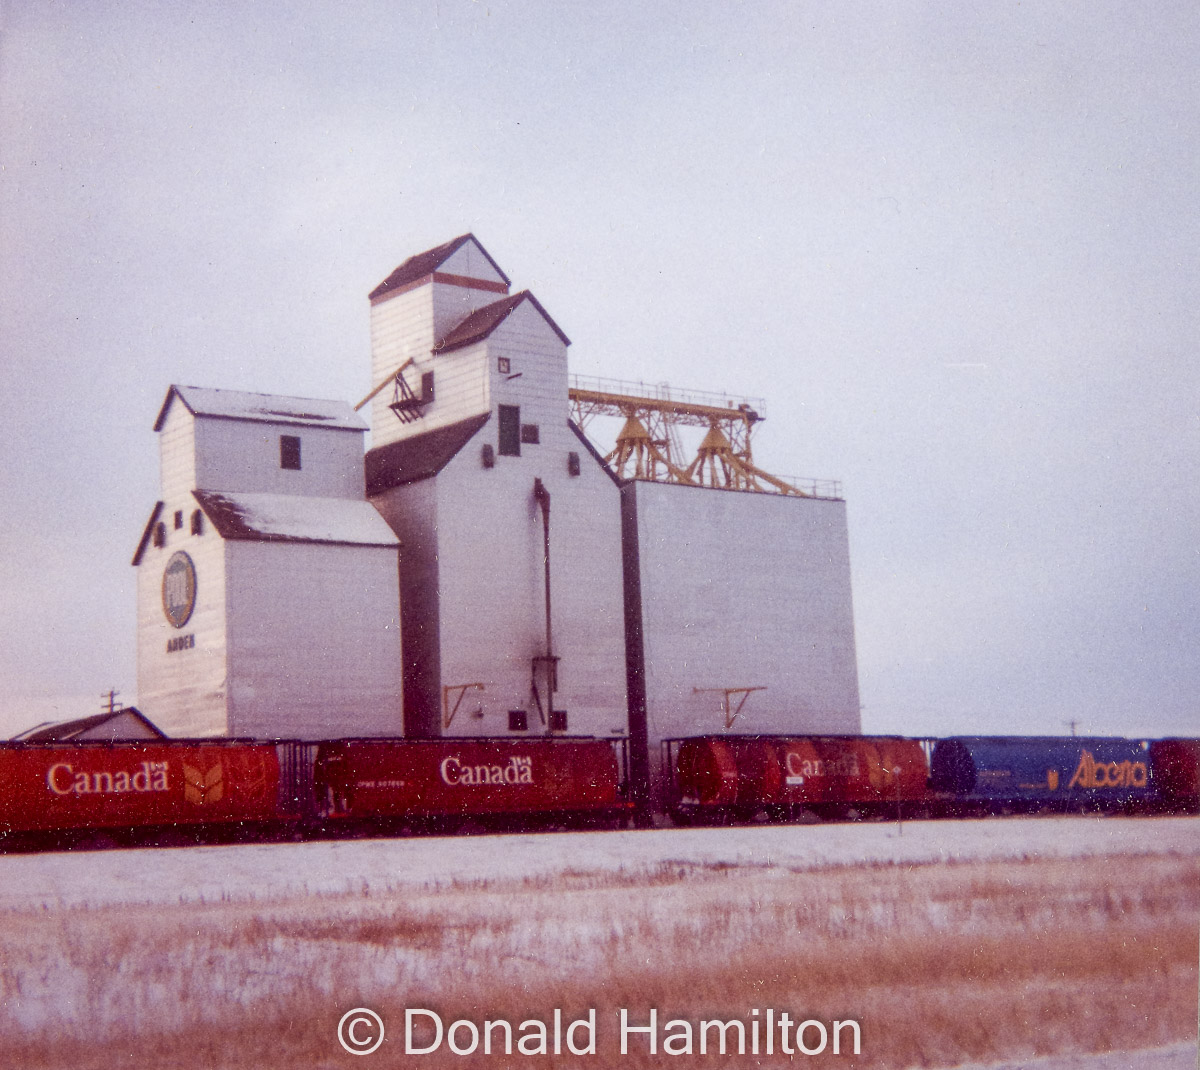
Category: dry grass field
<point>939,963</point>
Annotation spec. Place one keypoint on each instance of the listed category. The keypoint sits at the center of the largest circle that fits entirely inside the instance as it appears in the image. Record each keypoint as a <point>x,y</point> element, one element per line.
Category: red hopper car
<point>136,786</point>
<point>446,781</point>
<point>740,776</point>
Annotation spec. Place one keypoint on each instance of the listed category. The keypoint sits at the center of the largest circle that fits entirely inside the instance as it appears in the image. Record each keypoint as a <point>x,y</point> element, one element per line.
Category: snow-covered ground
<point>270,871</point>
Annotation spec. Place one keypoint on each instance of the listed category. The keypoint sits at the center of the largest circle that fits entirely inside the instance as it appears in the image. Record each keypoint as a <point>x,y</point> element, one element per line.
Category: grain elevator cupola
<point>471,439</point>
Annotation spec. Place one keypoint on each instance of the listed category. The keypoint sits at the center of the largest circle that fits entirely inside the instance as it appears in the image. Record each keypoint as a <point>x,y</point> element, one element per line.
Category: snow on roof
<point>294,518</point>
<point>269,408</point>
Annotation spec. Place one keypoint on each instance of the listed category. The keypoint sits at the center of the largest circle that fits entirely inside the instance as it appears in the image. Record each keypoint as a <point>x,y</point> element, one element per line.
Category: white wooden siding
<point>177,451</point>
<point>490,558</point>
<point>407,326</point>
<point>314,640</point>
<point>243,455</point>
<point>183,692</point>
<point>469,261</point>
<point>411,510</point>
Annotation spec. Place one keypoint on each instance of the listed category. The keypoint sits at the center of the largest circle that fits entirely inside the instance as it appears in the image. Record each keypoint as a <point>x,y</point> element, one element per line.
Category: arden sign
<point>179,589</point>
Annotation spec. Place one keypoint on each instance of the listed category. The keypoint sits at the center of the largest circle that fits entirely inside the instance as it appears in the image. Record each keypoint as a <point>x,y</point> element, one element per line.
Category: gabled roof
<point>418,457</point>
<point>596,454</point>
<point>480,323</point>
<point>268,408</point>
<point>137,726</point>
<point>295,518</point>
<point>426,263</point>
<point>147,531</point>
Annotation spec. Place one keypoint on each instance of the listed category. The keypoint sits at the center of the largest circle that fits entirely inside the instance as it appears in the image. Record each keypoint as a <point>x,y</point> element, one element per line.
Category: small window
<point>160,534</point>
<point>178,519</point>
<point>529,434</point>
<point>197,522</point>
<point>518,721</point>
<point>289,452</point>
<point>510,431</point>
<point>558,720</point>
<point>572,463</point>
<point>426,388</point>
<point>488,455</point>
<point>503,365</point>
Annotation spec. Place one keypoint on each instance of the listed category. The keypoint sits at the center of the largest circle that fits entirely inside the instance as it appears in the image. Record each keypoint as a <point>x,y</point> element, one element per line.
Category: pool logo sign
<point>179,589</point>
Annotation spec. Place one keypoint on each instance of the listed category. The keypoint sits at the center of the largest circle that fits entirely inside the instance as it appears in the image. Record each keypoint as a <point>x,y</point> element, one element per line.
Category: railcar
<point>444,783</point>
<point>984,774</point>
<point>741,777</point>
<point>170,790</point>
<point>1175,768</point>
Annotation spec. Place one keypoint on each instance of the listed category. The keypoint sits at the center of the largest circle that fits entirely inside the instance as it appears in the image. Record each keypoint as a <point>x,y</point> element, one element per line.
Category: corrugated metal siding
<point>183,692</point>
<point>745,590</point>
<point>314,640</point>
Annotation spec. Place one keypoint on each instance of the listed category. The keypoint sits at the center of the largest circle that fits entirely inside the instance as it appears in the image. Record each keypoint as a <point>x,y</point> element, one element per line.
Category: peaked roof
<point>268,408</point>
<point>480,323</point>
<point>66,730</point>
<point>295,518</point>
<point>418,457</point>
<point>417,267</point>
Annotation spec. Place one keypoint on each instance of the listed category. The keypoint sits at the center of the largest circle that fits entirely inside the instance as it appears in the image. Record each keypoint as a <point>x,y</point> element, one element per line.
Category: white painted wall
<point>475,536</point>
<point>177,451</point>
<point>313,640</point>
<point>184,691</point>
<point>408,325</point>
<point>745,590</point>
<point>411,511</point>
<point>243,455</point>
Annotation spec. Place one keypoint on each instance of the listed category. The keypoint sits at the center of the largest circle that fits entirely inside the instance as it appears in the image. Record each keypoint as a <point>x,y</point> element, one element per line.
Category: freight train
<point>185,791</point>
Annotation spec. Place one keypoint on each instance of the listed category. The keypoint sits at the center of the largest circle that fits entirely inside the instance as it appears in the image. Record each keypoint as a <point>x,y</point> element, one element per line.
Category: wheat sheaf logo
<point>203,789</point>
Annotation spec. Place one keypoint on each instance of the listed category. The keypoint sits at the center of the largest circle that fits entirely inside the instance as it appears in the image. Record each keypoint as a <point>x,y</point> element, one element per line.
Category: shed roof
<point>423,264</point>
<point>483,321</point>
<point>268,408</point>
<point>295,518</point>
<point>418,457</point>
<point>129,723</point>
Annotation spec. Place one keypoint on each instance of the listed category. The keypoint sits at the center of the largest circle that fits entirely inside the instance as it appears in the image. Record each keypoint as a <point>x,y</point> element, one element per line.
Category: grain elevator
<point>486,569</point>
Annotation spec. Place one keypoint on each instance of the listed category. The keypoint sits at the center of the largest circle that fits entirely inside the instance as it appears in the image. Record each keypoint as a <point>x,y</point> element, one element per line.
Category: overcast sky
<point>952,245</point>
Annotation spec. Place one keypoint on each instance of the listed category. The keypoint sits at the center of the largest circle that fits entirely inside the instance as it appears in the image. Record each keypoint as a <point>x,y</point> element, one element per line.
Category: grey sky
<point>953,246</point>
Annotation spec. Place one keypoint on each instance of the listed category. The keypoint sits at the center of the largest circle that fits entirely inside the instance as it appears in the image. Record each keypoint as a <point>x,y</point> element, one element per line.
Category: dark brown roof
<point>66,730</point>
<point>293,518</point>
<point>147,531</point>
<point>480,323</point>
<point>419,457</point>
<point>596,454</point>
<point>417,267</point>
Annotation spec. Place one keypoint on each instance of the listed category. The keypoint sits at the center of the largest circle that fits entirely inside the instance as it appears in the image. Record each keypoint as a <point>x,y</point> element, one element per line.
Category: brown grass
<point>940,964</point>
